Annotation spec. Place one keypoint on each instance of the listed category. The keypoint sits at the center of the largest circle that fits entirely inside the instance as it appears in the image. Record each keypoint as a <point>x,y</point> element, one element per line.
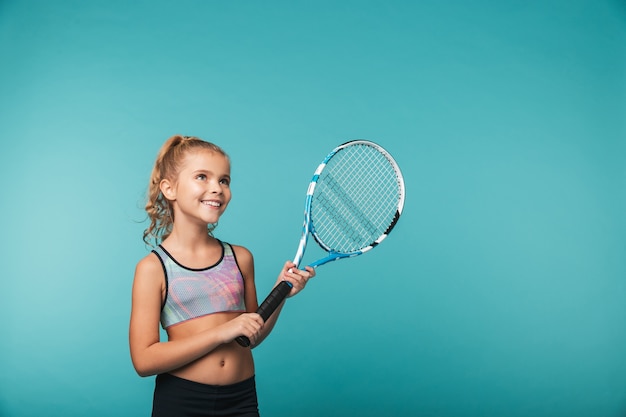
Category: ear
<point>168,190</point>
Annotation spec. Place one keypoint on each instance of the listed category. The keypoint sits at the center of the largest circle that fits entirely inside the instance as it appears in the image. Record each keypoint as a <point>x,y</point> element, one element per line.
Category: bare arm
<point>151,356</point>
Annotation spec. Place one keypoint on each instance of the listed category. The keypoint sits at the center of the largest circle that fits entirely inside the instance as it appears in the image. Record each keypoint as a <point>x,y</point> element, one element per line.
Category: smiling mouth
<point>212,203</point>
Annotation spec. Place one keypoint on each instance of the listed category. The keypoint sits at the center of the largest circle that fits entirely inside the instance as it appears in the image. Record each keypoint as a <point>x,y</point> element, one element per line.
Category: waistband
<point>169,379</point>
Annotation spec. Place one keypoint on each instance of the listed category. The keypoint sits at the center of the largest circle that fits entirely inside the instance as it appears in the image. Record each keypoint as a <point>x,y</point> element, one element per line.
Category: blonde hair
<point>167,166</point>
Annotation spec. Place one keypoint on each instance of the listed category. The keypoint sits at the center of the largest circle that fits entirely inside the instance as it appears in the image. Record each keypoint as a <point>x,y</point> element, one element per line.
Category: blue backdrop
<point>500,293</point>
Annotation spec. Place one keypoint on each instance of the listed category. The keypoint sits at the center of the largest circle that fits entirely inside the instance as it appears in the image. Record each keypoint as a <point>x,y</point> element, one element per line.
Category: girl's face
<point>202,190</point>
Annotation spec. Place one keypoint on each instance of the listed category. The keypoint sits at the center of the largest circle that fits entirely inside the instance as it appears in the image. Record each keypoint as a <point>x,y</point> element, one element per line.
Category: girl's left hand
<point>297,277</point>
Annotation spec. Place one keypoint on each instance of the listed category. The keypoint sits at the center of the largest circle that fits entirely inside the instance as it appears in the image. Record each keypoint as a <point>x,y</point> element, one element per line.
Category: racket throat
<point>333,256</point>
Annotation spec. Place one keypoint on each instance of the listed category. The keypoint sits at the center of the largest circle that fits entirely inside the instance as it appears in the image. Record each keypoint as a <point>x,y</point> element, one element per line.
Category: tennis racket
<point>353,202</point>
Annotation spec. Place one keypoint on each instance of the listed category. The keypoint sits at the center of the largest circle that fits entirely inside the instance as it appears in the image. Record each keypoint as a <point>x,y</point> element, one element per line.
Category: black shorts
<point>178,397</point>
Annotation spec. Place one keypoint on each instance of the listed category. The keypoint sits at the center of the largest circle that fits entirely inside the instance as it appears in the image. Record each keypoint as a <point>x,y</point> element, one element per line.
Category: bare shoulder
<point>149,263</point>
<point>149,269</point>
<point>242,252</point>
<point>244,258</point>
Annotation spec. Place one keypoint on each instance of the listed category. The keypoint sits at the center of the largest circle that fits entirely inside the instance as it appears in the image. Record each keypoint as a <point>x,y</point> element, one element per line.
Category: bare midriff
<point>227,364</point>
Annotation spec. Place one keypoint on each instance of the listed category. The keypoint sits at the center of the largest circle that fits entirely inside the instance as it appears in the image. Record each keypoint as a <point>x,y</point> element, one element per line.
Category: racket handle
<point>268,306</point>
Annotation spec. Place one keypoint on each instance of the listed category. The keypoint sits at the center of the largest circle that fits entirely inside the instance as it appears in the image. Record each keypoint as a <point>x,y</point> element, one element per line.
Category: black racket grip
<point>268,306</point>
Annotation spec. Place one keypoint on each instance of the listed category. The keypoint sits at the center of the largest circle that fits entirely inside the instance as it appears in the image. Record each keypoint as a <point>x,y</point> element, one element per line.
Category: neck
<point>189,237</point>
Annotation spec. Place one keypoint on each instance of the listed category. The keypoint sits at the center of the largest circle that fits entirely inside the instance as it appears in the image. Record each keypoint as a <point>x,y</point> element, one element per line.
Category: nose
<point>215,187</point>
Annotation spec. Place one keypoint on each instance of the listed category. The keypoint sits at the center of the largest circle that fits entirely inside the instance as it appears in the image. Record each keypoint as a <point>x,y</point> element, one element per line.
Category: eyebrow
<point>207,171</point>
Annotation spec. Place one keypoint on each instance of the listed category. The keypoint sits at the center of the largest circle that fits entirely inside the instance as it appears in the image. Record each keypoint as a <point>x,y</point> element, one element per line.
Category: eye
<point>225,181</point>
<point>201,177</point>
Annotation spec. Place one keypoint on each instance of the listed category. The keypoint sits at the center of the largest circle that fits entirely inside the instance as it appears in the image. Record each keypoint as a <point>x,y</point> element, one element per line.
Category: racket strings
<point>355,200</point>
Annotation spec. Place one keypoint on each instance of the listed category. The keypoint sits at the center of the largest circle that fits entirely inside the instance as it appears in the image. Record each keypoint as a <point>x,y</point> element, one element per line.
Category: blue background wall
<point>502,291</point>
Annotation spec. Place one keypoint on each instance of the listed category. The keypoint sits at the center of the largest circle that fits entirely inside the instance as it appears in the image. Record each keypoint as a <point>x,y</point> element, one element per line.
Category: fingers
<point>247,324</point>
<point>311,271</point>
<point>297,277</point>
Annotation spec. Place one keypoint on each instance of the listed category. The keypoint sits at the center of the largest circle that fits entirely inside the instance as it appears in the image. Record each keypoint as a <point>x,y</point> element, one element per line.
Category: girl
<point>200,289</point>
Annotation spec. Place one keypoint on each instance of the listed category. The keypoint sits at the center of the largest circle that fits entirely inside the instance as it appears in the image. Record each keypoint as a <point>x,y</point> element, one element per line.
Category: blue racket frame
<point>282,290</point>
<point>309,227</point>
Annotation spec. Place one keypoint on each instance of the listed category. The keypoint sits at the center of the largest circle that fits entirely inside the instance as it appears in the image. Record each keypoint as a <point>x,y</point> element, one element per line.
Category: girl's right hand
<point>247,324</point>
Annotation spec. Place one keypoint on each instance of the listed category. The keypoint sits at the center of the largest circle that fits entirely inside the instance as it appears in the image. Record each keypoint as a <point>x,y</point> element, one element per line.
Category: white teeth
<point>212,203</point>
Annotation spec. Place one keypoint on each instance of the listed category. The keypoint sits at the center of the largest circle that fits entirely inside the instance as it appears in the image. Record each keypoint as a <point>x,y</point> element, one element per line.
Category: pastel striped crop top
<point>192,293</point>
